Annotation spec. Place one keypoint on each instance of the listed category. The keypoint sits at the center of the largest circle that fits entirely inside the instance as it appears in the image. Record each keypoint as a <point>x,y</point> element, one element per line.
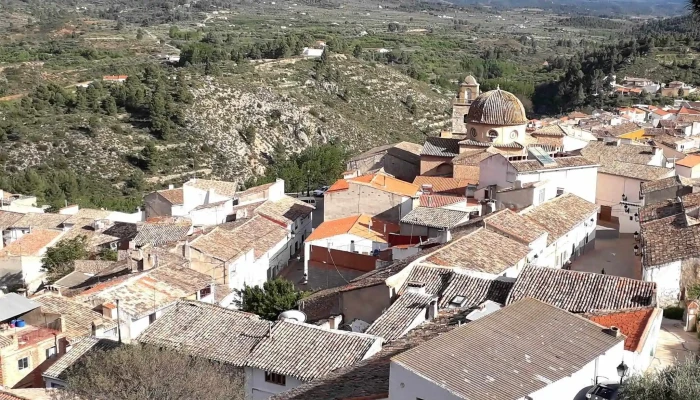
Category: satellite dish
<point>293,315</point>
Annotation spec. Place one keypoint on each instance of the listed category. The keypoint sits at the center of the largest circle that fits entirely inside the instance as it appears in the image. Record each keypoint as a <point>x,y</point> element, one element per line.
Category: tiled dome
<point>497,107</point>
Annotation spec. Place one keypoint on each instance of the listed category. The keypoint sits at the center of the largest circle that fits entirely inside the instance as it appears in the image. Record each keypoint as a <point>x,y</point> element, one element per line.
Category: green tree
<point>135,372</point>
<point>110,106</point>
<point>120,24</point>
<point>139,34</point>
<point>108,255</point>
<point>58,260</point>
<point>269,301</point>
<point>357,51</point>
<point>695,5</point>
<point>149,157</point>
<point>676,382</point>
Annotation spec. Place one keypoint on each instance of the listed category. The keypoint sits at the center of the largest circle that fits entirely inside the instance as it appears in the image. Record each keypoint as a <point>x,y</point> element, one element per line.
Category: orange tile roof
<point>31,243</point>
<point>444,185</point>
<point>689,161</point>
<point>378,181</point>
<point>114,77</point>
<point>684,110</point>
<point>174,196</point>
<point>632,323</point>
<point>362,225</point>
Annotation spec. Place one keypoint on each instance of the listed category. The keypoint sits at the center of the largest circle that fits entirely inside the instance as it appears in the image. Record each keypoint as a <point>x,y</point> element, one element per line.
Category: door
<point>605,213</point>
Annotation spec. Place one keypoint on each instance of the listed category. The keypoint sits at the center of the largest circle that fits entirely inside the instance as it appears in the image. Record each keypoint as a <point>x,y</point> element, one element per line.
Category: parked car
<point>308,200</point>
<point>602,391</point>
<point>320,191</point>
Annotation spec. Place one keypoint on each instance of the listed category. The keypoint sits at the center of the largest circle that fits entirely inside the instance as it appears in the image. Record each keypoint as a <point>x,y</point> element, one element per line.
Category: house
<point>560,138</point>
<point>636,82</point>
<point>437,154</point>
<point>32,221</point>
<point>379,195</point>
<point>628,130</point>
<point>623,168</point>
<point>79,319</point>
<point>669,246</point>
<point>572,174</point>
<point>30,341</point>
<point>433,222</point>
<point>582,292</point>
<point>294,352</point>
<point>308,52</point>
<point>570,223</point>
<point>689,167</point>
<point>21,261</point>
<point>641,328</point>
<point>633,114</point>
<point>528,336</point>
<point>115,78</point>
<point>660,190</point>
<point>401,160</point>
<point>18,203</point>
<point>352,242</point>
<point>138,300</point>
<point>56,375</point>
<point>83,270</point>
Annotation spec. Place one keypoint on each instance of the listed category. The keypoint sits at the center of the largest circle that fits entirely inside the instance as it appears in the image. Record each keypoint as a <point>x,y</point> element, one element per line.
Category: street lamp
<point>636,236</point>
<point>308,182</point>
<point>636,250</point>
<point>622,370</point>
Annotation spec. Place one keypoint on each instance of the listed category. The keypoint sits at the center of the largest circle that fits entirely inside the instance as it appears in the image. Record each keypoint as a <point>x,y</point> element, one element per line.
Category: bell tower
<point>468,91</point>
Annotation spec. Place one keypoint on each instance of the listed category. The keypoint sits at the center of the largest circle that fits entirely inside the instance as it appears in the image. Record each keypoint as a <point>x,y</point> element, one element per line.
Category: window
<point>472,132</point>
<point>204,292</point>
<point>50,352</point>
<point>493,134</point>
<point>466,119</point>
<point>23,363</point>
<point>514,135</point>
<point>560,191</point>
<point>541,194</point>
<point>457,301</point>
<point>277,379</point>
<point>152,318</point>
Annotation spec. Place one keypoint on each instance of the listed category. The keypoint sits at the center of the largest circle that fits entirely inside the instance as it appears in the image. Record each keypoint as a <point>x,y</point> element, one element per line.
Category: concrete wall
<point>579,181</point>
<point>609,193</point>
<point>257,389</point>
<point>12,377</point>
<point>360,199</point>
<point>366,304</point>
<point>26,270</point>
<point>668,282</point>
<point>688,172</point>
<point>640,361</point>
<point>436,166</point>
<point>496,170</point>
<point>573,243</point>
<point>156,206</point>
<point>212,215</point>
<point>401,168</point>
<point>506,134</point>
<point>404,385</point>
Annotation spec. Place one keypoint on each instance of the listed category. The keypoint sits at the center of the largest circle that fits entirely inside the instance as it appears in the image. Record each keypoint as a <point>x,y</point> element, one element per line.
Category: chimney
<point>109,310</point>
<point>426,188</point>
<point>98,329</point>
<point>613,331</point>
<point>446,134</point>
<point>334,321</point>
<point>432,310</point>
<point>415,287</point>
<point>171,186</point>
<point>352,246</point>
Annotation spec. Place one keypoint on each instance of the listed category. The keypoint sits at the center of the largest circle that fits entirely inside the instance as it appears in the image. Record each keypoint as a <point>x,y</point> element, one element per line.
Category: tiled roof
<point>362,225</point>
<point>87,214</point>
<point>228,189</point>
<point>8,219</point>
<point>71,280</point>
<point>94,238</point>
<point>340,184</point>
<point>434,278</point>
<point>434,217</point>
<point>173,196</point>
<point>369,379</point>
<point>442,185</point>
<point>560,215</point>
<point>211,205</point>
<point>397,320</point>
<point>617,130</point>
<point>146,293</point>
<point>514,225</point>
<point>31,243</point>
<point>491,146</point>
<point>542,343</point>
<point>440,147</point>
<point>257,233</point>
<point>472,157</point>
<point>660,210</point>
<point>602,153</point>
<point>207,331</point>
<point>669,239</point>
<point>526,166</point>
<point>77,351</point>
<point>476,252</point>
<point>440,200</point>
<point>285,210</point>
<point>255,190</point>
<point>636,171</point>
<point>689,161</point>
<point>497,107</point>
<point>660,184</point>
<point>581,292</point>
<point>161,233</point>
<point>40,221</point>
<point>550,130</point>
<point>474,290</point>
<point>5,342</point>
<point>78,317</point>
<point>307,352</point>
<point>632,323</point>
<point>9,396</point>
<point>378,181</point>
<point>92,266</point>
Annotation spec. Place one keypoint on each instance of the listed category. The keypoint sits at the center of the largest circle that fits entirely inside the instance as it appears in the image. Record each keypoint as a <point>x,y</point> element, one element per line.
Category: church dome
<point>497,107</point>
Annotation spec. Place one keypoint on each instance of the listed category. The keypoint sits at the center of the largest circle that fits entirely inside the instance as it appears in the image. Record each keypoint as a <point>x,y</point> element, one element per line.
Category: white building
<point>623,168</point>
<point>529,337</point>
<point>21,261</point>
<point>572,174</point>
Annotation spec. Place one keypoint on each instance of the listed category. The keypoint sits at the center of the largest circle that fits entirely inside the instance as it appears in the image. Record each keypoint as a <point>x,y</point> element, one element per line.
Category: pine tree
<point>110,106</point>
<point>273,298</point>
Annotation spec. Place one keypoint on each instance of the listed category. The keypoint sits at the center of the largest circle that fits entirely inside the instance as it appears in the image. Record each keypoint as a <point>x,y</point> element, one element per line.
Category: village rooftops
<point>567,162</point>
<point>617,130</point>
<point>31,244</point>
<point>689,161</point>
<point>439,218</point>
<point>362,225</point>
<point>477,252</point>
<point>580,292</point>
<point>635,171</point>
<point>223,188</point>
<point>148,292</point>
<point>173,196</point>
<point>78,317</point>
<point>285,210</point>
<point>379,181</point>
<point>514,225</point>
<point>444,185</point>
<point>257,233</point>
<point>634,323</point>
<point>79,349</point>
<point>40,221</point>
<point>396,321</point>
<point>208,331</point>
<point>308,352</point>
<point>669,239</point>
<point>550,130</point>
<point>561,215</point>
<point>8,219</point>
<point>442,200</point>
<point>157,234</point>
<point>661,184</point>
<point>87,214</point>
<point>441,147</point>
<point>369,379</point>
<point>542,343</point>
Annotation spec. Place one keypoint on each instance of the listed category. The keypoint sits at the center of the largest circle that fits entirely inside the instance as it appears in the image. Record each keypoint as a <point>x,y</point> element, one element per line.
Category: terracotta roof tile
<point>359,225</point>
<point>77,351</point>
<point>396,321</point>
<point>434,217</point>
<point>689,161</point>
<point>378,181</point>
<point>258,233</point>
<point>441,200</point>
<point>228,189</point>
<point>285,210</point>
<point>669,239</point>
<point>40,220</point>
<point>32,243</point>
<point>441,147</point>
<point>514,225</point>
<point>561,215</point>
<point>174,196</point>
<point>526,166</point>
<point>632,323</point>
<point>442,185</point>
<point>78,317</point>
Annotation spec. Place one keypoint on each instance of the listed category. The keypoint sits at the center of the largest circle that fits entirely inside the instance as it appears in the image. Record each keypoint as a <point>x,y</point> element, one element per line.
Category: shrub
<point>673,312</point>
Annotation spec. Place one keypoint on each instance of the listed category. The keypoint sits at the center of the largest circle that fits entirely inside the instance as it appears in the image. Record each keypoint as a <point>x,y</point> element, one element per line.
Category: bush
<point>673,312</point>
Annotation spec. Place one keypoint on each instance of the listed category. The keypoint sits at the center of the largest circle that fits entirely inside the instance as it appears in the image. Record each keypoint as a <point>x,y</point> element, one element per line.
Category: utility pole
<point>119,323</point>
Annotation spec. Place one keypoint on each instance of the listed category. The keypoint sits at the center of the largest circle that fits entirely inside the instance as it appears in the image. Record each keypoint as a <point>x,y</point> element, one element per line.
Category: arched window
<point>465,118</point>
<point>514,135</point>
<point>469,94</point>
<point>472,132</point>
<point>493,134</point>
